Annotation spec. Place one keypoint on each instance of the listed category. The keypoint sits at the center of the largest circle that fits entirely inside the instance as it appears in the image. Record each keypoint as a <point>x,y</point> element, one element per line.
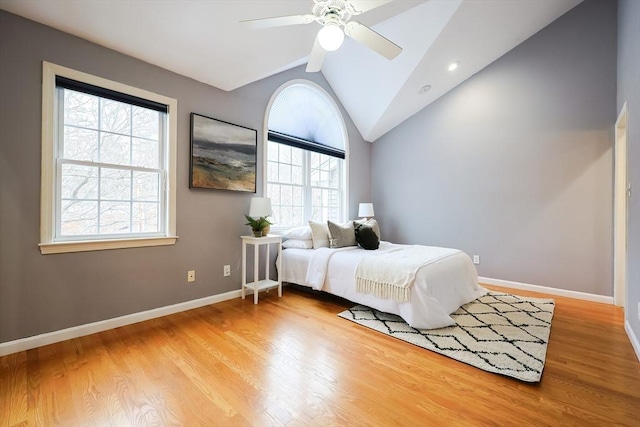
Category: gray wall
<point>629,91</point>
<point>43,293</point>
<point>516,164</point>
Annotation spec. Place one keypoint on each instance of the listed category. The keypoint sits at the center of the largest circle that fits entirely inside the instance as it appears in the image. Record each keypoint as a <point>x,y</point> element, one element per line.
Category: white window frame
<point>345,175</point>
<point>48,193</point>
<point>306,186</point>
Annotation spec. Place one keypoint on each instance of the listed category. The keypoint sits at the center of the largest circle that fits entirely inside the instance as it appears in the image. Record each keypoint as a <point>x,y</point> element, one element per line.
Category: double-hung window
<point>304,180</point>
<point>108,175</point>
<point>306,176</point>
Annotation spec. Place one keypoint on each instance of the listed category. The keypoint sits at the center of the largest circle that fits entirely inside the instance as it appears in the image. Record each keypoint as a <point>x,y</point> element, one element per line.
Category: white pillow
<point>299,233</point>
<point>320,234</point>
<point>298,244</point>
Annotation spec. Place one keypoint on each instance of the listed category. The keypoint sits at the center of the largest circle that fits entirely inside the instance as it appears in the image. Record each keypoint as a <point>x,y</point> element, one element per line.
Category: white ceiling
<point>203,39</point>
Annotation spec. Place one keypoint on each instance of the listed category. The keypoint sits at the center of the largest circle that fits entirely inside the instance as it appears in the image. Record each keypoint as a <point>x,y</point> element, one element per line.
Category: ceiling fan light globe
<point>330,37</point>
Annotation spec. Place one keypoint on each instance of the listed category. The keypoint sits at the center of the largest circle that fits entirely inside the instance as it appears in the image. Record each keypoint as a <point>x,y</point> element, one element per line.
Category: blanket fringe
<point>382,290</point>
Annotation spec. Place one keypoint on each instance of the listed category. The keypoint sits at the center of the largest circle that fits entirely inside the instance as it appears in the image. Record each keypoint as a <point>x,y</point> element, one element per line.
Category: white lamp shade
<point>330,37</point>
<point>365,210</point>
<point>260,206</point>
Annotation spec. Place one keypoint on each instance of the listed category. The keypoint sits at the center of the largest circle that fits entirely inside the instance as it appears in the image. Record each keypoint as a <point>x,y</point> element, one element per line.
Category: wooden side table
<point>259,285</point>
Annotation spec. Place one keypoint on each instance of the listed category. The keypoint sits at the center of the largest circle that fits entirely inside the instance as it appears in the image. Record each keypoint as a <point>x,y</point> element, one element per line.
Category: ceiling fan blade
<point>280,21</point>
<point>361,6</point>
<point>372,40</point>
<point>317,57</point>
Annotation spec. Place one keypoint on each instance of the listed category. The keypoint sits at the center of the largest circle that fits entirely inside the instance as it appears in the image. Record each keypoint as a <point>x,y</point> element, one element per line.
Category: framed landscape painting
<point>223,155</point>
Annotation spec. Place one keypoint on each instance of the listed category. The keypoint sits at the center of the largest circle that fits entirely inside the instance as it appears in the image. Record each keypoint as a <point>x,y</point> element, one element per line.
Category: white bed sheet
<point>440,287</point>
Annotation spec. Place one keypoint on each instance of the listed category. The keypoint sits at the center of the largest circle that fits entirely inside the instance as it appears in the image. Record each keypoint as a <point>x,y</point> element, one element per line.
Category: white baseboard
<point>632,337</point>
<point>546,290</point>
<point>103,325</point>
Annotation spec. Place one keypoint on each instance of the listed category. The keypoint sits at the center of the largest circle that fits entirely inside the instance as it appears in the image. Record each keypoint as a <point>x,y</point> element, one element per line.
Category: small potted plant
<point>260,226</point>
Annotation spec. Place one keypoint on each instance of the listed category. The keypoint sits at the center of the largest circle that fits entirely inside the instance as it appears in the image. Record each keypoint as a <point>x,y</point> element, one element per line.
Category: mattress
<point>440,287</point>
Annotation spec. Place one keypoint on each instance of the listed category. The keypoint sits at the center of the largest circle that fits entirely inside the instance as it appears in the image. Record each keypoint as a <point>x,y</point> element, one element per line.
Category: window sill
<point>101,245</point>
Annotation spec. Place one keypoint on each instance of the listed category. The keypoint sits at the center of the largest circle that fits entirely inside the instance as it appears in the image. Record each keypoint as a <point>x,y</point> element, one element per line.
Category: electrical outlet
<point>227,270</point>
<point>191,276</point>
<point>476,259</point>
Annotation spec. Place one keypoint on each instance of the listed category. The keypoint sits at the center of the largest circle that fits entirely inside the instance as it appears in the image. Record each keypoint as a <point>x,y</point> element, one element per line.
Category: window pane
<point>272,171</point>
<point>286,216</point>
<point>78,217</point>
<point>115,117</point>
<point>298,196</point>
<point>316,197</point>
<point>145,153</point>
<point>324,179</point>
<point>316,214</point>
<point>333,163</point>
<point>296,175</point>
<point>284,174</point>
<point>80,144</point>
<point>285,154</point>
<point>297,156</point>
<point>286,195</point>
<point>145,123</point>
<point>276,216</point>
<point>115,217</point>
<point>334,205</point>
<point>298,216</point>
<point>80,109</point>
<point>315,177</point>
<point>146,186</point>
<point>79,182</point>
<point>273,192</point>
<point>115,184</point>
<point>145,217</point>
<point>334,178</point>
<point>115,149</point>
<point>272,151</point>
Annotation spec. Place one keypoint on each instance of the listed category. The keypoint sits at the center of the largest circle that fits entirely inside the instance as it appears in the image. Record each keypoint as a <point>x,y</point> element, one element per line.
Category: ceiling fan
<point>335,18</point>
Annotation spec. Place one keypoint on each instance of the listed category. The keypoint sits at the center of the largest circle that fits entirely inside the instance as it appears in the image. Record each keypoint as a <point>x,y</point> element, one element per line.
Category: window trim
<point>345,136</point>
<point>48,167</point>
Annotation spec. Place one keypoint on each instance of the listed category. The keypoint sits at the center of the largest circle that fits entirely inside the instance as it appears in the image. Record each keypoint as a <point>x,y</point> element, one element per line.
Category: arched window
<point>306,152</point>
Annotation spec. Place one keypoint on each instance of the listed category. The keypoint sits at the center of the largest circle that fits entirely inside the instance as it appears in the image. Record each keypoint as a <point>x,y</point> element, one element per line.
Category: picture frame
<point>223,155</point>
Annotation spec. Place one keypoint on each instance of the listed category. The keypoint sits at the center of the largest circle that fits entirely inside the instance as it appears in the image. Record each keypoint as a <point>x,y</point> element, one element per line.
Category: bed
<point>444,283</point>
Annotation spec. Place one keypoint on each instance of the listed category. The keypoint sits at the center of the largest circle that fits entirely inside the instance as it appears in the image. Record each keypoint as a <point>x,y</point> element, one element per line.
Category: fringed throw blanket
<point>390,275</point>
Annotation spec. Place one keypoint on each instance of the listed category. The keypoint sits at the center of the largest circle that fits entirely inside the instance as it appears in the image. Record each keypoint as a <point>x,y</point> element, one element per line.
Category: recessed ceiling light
<point>453,66</point>
<point>424,89</point>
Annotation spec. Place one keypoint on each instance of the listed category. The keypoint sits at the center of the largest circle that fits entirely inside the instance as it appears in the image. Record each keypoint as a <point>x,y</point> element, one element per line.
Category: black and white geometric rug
<point>502,333</point>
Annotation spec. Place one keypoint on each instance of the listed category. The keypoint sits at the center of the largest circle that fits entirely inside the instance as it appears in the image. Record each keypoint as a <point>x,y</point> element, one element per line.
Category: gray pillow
<point>341,235</point>
<point>366,236</point>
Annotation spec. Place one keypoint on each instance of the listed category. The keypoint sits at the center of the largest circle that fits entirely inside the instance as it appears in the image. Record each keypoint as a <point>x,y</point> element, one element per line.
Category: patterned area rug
<point>502,333</point>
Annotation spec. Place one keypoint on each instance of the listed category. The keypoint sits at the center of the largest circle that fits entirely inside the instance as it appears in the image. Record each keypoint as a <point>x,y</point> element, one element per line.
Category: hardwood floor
<point>293,361</point>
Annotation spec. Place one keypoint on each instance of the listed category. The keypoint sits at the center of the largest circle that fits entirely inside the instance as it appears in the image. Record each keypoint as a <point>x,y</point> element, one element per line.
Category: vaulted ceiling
<point>204,40</point>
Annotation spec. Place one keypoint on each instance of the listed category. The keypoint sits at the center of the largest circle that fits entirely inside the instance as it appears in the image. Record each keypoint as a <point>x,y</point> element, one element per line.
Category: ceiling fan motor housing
<point>332,11</point>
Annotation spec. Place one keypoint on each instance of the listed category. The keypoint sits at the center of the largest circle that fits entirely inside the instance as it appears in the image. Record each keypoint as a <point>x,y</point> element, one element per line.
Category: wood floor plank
<point>13,389</point>
<point>292,361</point>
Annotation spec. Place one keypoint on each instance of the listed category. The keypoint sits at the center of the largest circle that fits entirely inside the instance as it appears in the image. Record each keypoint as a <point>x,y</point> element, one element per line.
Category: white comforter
<point>440,287</point>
